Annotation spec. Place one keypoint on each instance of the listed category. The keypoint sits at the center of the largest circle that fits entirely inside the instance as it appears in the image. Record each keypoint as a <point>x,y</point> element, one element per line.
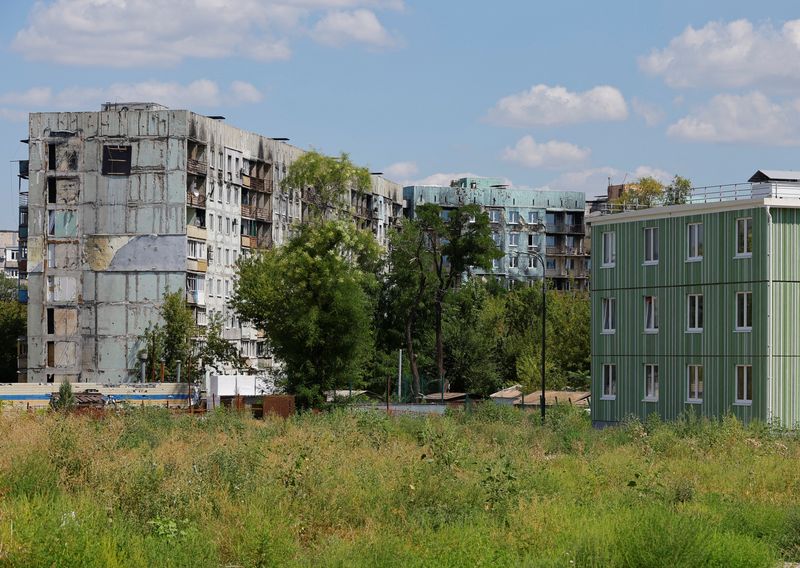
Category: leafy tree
<point>315,299</point>
<point>326,181</point>
<point>646,192</point>
<point>452,246</point>
<point>8,289</point>
<point>407,286</point>
<point>178,338</point>
<point>677,192</point>
<point>13,324</point>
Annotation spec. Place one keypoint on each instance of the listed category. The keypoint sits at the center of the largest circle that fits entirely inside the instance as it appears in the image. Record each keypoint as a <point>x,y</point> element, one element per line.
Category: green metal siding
<point>718,276</point>
<point>785,385</point>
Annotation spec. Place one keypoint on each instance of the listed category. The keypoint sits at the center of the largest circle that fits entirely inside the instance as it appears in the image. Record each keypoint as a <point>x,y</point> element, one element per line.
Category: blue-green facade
<point>515,214</point>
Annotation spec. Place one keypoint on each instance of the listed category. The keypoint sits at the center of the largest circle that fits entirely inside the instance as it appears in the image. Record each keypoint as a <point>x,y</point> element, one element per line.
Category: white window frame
<point>609,382</point>
<point>195,249</point>
<point>650,382</point>
<point>696,310</point>
<point>609,316</point>
<point>741,302</point>
<point>650,246</point>
<point>651,314</point>
<point>694,254</point>
<point>494,215</point>
<point>744,227</point>
<point>513,239</point>
<point>513,217</point>
<point>742,397</point>
<point>513,261</point>
<point>609,249</point>
<point>695,384</point>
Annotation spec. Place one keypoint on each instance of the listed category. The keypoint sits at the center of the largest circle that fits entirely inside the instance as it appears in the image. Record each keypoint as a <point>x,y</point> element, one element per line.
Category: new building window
<point>694,318</point>
<point>496,239</point>
<point>651,383</point>
<point>494,216</point>
<point>744,237</point>
<point>533,217</point>
<point>609,382</point>
<point>116,161</point>
<point>513,217</point>
<point>694,233</point>
<point>531,240</point>
<point>694,392</point>
<point>651,245</point>
<point>609,315</point>
<point>744,311</point>
<point>744,384</point>
<point>609,249</point>
<point>513,239</point>
<point>650,314</point>
<point>513,261</point>
<point>495,264</point>
<point>211,221</point>
<point>196,249</point>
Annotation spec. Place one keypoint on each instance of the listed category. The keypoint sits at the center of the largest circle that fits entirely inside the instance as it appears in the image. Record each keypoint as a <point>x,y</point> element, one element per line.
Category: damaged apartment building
<point>125,204</point>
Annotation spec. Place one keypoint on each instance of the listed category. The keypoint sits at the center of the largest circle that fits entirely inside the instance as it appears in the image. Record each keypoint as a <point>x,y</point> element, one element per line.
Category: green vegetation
<point>314,297</point>
<point>491,488</point>
<point>176,338</point>
<point>649,192</point>
<point>13,324</point>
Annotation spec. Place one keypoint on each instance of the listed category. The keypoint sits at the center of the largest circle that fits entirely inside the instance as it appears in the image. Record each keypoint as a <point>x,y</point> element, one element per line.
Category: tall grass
<point>489,488</point>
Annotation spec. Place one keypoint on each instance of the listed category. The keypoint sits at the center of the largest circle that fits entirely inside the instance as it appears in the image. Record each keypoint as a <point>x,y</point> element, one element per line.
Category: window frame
<point>609,382</point>
<point>119,164</point>
<point>650,382</point>
<point>695,381</point>
<point>609,242</point>
<point>609,305</point>
<point>650,246</point>
<point>651,301</point>
<point>747,384</point>
<point>699,314</point>
<point>747,223</point>
<point>747,314</point>
<point>699,246</point>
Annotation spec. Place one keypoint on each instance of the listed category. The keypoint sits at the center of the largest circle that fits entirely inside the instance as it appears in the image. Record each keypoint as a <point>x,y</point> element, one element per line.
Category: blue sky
<point>545,94</point>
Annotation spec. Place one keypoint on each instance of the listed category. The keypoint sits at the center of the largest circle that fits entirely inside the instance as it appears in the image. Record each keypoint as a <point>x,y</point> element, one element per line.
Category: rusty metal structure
<point>125,203</point>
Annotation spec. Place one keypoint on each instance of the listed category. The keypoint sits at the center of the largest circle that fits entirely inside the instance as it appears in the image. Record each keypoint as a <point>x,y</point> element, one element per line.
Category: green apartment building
<point>696,307</point>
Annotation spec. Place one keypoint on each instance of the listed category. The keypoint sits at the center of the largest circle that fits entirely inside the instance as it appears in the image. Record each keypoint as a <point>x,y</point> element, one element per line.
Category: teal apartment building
<point>695,307</point>
<point>523,220</point>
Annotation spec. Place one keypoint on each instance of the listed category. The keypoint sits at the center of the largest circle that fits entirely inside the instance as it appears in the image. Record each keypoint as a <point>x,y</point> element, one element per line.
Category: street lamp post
<point>540,259</point>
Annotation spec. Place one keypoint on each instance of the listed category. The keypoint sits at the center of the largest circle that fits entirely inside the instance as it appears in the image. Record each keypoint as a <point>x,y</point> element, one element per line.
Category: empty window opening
<point>51,190</point>
<point>116,160</point>
<point>51,321</point>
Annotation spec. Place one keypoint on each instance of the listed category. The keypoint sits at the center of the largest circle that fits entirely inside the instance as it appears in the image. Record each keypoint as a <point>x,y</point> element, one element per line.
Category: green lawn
<point>492,488</point>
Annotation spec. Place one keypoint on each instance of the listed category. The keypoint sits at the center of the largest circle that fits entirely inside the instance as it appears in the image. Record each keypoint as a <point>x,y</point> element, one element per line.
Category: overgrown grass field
<point>490,488</point>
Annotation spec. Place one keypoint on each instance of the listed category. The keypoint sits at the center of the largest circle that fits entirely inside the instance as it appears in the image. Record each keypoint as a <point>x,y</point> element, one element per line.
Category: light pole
<point>539,228</point>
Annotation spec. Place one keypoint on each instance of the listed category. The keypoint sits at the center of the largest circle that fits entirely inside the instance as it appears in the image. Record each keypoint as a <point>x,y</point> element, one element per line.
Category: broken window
<point>116,160</point>
<point>51,321</point>
<point>51,190</point>
<point>51,156</point>
<point>51,356</point>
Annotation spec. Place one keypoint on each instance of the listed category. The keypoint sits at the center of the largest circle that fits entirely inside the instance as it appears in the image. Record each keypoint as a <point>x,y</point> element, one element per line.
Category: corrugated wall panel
<point>719,348</point>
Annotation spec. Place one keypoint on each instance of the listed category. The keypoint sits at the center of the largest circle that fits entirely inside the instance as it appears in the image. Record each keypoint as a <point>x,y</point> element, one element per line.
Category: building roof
<point>775,175</point>
<point>332,395</point>
<point>510,392</point>
<point>448,396</point>
<point>576,398</point>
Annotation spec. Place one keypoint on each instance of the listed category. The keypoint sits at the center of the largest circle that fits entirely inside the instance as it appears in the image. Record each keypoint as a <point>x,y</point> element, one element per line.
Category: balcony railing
<point>195,297</point>
<point>262,185</point>
<point>193,200</point>
<point>23,199</point>
<point>24,169</point>
<point>195,232</point>
<point>196,265</point>
<point>564,228</point>
<point>249,242</point>
<point>196,167</point>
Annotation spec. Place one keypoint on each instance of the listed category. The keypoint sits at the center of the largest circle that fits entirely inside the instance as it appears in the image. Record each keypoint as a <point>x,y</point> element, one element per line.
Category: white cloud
<point>752,117</point>
<point>402,171</point>
<point>246,92</point>
<point>200,93</point>
<point>121,33</point>
<point>551,154</point>
<point>651,113</point>
<point>545,105</point>
<point>733,54</point>
<point>594,181</point>
<point>359,26</point>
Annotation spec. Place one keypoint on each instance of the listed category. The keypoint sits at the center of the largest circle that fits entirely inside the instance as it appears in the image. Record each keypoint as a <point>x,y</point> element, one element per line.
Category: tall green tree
<point>454,242</point>
<point>13,325</point>
<point>176,337</point>
<point>315,299</point>
<point>326,182</point>
<point>677,192</point>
